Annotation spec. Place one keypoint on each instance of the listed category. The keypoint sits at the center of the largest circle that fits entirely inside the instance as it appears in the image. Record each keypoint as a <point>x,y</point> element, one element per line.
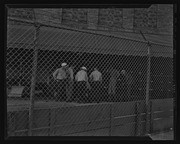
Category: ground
<point>163,136</point>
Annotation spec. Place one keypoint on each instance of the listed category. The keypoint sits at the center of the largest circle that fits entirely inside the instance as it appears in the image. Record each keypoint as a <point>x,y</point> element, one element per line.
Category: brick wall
<point>75,17</point>
<point>111,17</point>
<point>165,18</point>
<point>92,18</point>
<point>156,19</point>
<point>49,16</point>
<point>128,17</point>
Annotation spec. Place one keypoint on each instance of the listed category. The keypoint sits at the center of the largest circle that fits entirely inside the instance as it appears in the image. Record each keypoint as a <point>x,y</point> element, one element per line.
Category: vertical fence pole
<point>138,120</point>
<point>151,118</point>
<point>147,84</point>
<point>147,88</point>
<point>33,79</point>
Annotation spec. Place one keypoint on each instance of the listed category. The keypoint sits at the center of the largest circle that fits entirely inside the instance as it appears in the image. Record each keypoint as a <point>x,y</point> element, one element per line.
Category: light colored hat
<point>84,68</point>
<point>63,64</point>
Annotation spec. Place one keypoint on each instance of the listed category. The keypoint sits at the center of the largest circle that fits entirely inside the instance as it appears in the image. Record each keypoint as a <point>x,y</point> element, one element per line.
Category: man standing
<point>96,83</point>
<point>127,85</point>
<point>114,74</point>
<point>61,79</point>
<point>105,85</point>
<point>69,89</point>
<point>82,84</point>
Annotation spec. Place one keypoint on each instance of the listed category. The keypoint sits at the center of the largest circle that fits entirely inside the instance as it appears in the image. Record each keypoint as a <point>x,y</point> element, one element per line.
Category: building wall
<point>156,19</point>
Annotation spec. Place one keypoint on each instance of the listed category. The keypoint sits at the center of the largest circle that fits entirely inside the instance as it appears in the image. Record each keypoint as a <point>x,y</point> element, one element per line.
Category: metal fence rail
<point>35,50</point>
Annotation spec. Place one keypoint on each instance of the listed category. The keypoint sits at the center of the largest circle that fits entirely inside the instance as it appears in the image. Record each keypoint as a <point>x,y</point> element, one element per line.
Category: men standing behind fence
<point>61,79</point>
<point>70,85</point>
<point>82,85</point>
<point>114,74</point>
<point>96,83</point>
<point>127,82</point>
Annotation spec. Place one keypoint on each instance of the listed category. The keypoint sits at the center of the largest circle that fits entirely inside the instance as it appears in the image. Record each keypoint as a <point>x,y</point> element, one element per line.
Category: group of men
<point>82,89</point>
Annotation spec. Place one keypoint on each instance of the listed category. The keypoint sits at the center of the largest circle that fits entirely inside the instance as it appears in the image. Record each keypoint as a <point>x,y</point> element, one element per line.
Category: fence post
<point>147,84</point>
<point>151,118</point>
<point>33,79</point>
<point>138,120</point>
<point>147,88</point>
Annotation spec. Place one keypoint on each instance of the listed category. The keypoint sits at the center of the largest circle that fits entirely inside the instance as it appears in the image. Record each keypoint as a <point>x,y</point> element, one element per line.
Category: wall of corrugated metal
<point>67,40</point>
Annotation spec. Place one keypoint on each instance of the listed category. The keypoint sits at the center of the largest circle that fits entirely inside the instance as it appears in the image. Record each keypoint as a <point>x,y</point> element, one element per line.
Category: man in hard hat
<point>82,84</point>
<point>61,77</point>
<point>114,74</point>
<point>96,83</point>
<point>127,82</point>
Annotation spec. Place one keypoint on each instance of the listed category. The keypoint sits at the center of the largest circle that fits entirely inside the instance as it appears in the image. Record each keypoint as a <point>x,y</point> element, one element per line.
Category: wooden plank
<point>138,119</point>
<point>22,133</point>
<point>99,132</point>
<point>162,104</point>
<point>83,127</point>
<point>126,130</point>
<point>124,108</point>
<point>52,121</point>
<point>162,114</point>
<point>40,132</point>
<point>123,120</point>
<point>41,118</point>
<point>83,113</point>
<point>21,120</point>
<point>11,122</point>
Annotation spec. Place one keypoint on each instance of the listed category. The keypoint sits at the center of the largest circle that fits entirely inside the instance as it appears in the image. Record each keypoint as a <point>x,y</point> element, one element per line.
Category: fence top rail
<point>86,31</point>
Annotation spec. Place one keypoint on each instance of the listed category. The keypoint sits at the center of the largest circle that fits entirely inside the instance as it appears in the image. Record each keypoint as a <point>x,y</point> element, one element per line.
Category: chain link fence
<point>35,50</point>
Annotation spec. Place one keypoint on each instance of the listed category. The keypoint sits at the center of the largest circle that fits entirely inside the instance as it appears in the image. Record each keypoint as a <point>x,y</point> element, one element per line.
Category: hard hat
<point>63,64</point>
<point>84,68</point>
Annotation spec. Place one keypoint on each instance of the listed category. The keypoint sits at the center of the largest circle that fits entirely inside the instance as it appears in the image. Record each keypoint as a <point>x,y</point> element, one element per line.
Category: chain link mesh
<point>109,54</point>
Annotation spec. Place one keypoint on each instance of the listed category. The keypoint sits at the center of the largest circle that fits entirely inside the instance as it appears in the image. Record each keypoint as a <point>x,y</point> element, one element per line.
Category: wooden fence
<point>104,119</point>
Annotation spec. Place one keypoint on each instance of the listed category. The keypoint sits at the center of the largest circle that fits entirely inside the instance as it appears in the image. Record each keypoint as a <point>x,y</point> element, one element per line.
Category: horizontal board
<point>41,118</point>
<point>21,120</point>
<point>123,108</point>
<point>123,120</point>
<point>162,104</point>
<point>83,113</point>
<point>77,128</point>
<point>99,132</point>
<point>22,133</point>
<point>162,124</point>
<point>74,41</point>
<point>126,130</point>
<point>40,132</point>
<point>162,114</point>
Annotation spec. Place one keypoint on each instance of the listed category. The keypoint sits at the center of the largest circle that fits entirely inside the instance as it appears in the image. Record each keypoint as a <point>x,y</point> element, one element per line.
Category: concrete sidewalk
<point>163,136</point>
